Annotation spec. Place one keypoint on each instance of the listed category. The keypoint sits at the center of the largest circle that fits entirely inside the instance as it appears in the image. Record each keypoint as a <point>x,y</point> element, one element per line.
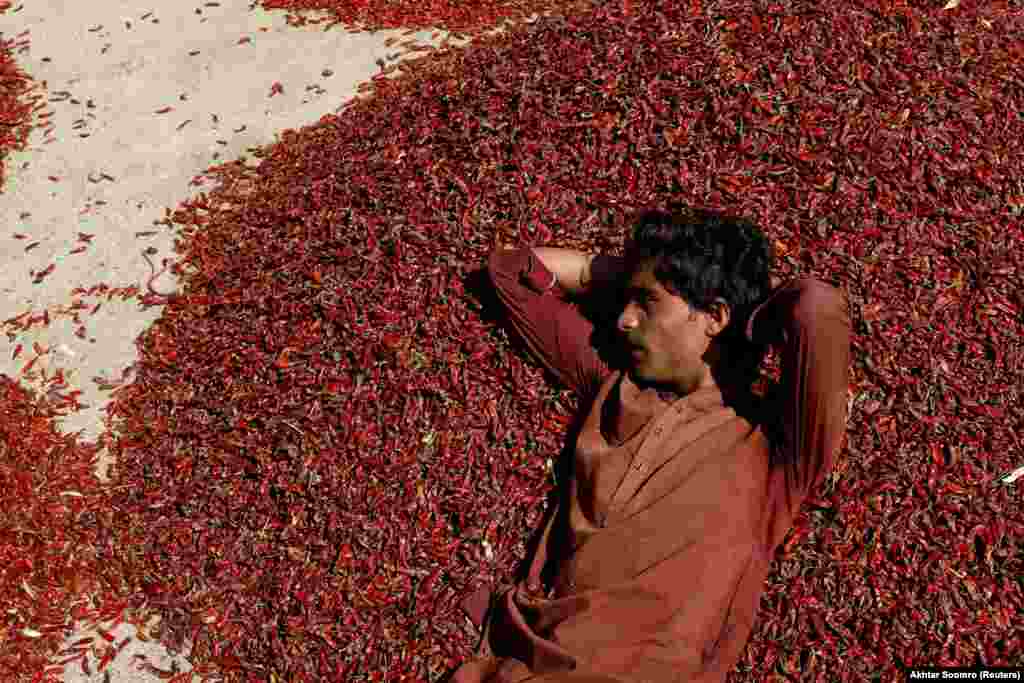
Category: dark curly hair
<point>700,255</point>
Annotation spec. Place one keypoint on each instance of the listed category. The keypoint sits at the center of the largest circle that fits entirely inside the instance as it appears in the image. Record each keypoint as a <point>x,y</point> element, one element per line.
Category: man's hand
<point>774,282</point>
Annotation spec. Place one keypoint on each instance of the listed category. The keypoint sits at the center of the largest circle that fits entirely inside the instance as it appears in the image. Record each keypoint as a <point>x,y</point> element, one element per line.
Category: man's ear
<point>720,317</point>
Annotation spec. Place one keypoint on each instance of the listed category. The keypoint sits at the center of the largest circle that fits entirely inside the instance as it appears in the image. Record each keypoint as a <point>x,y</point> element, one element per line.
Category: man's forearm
<point>570,267</point>
<point>580,273</point>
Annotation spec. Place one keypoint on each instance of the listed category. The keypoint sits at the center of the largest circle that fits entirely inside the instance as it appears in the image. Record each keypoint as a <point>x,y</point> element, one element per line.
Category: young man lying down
<point>684,481</point>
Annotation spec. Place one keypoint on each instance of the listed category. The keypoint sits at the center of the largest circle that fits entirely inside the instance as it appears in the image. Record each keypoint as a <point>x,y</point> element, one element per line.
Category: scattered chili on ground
<point>20,99</point>
<point>55,569</point>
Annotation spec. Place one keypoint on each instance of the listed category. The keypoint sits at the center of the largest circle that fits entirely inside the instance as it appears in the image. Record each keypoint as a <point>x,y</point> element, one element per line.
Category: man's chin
<point>637,375</point>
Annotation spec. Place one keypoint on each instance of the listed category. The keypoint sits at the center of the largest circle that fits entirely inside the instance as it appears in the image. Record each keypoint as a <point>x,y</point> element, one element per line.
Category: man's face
<point>666,341</point>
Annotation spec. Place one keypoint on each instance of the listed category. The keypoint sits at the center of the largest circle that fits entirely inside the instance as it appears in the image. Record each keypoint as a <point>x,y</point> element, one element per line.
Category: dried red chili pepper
<point>294,489</point>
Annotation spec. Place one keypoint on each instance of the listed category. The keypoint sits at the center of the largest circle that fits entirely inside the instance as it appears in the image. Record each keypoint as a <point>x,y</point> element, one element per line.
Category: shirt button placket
<point>639,466</point>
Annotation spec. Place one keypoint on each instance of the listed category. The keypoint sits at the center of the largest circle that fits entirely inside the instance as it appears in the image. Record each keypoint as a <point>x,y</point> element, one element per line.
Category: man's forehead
<point>642,277</point>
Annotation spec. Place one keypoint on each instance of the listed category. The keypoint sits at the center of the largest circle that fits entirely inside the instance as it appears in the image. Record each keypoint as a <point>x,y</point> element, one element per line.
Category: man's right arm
<point>558,335</point>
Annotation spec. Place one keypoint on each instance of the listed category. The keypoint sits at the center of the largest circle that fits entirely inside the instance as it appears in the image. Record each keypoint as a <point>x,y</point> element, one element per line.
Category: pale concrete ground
<point>146,67</point>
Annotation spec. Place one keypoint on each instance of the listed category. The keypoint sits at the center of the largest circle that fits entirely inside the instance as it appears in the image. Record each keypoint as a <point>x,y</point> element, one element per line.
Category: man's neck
<point>669,391</point>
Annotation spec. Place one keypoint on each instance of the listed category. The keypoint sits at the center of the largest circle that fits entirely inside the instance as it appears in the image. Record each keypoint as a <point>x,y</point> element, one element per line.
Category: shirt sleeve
<point>555,332</point>
<point>809,321</point>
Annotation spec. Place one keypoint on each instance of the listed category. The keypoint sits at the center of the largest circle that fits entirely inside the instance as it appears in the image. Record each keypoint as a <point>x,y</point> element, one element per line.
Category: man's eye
<point>640,297</point>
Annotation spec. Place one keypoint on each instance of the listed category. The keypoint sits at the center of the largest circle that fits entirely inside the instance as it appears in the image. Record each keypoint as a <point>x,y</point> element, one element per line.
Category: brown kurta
<point>665,538</point>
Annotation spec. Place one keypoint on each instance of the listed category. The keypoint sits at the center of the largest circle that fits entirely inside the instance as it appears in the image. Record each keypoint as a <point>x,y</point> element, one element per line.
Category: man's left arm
<point>809,321</point>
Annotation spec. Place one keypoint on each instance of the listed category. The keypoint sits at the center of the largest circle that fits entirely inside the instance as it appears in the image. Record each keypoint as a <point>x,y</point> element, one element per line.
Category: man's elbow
<point>498,262</point>
<point>819,298</point>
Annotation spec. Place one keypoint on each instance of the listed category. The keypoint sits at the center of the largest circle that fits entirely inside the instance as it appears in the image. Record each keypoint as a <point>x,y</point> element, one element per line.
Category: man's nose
<point>627,320</point>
